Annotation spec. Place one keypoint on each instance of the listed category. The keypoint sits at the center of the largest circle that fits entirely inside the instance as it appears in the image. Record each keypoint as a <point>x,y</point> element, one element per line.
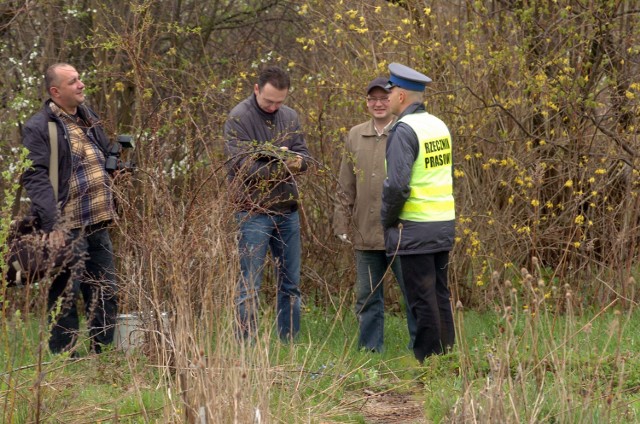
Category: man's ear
<point>402,95</point>
<point>53,91</point>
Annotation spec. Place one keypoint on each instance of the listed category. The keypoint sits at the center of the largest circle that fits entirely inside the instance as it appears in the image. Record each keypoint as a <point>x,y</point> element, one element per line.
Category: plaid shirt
<point>90,198</point>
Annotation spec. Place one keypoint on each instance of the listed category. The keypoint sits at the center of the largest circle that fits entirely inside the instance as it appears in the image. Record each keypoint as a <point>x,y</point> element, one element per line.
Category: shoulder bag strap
<point>53,158</point>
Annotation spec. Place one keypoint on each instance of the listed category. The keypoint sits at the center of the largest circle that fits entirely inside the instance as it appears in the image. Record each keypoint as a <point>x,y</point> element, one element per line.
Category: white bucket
<point>130,330</point>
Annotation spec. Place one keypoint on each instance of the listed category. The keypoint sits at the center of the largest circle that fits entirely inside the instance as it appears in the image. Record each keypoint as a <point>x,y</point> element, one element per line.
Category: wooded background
<point>541,98</point>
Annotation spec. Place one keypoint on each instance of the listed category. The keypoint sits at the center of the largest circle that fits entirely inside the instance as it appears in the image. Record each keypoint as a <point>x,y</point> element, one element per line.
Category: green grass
<point>535,367</point>
<point>89,389</point>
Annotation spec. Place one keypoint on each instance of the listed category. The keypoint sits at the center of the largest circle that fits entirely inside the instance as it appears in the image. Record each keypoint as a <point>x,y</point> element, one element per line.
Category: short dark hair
<point>50,75</point>
<point>274,76</point>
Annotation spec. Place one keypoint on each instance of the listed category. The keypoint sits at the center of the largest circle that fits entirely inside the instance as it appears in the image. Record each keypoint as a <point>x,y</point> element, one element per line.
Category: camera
<point>114,162</point>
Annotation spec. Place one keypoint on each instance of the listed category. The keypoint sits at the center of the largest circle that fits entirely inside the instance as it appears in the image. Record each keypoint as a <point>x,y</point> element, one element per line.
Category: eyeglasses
<point>373,100</point>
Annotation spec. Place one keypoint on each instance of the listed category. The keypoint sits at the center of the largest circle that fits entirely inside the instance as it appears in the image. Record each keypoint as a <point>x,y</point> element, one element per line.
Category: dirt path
<point>391,408</point>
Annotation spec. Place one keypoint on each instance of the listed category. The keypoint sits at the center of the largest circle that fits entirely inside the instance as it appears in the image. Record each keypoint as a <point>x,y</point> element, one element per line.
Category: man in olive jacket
<point>356,219</point>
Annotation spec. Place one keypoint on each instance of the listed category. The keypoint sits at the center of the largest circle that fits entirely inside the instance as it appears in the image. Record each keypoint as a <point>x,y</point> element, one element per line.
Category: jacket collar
<point>370,129</point>
<point>83,112</point>
<point>413,108</point>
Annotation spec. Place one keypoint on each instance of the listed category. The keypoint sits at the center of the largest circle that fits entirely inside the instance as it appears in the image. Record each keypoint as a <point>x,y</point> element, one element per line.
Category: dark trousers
<point>425,280</point>
<point>91,274</point>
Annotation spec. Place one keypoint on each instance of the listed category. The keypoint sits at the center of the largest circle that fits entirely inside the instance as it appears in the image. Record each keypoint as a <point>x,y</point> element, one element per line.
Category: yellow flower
<point>352,13</point>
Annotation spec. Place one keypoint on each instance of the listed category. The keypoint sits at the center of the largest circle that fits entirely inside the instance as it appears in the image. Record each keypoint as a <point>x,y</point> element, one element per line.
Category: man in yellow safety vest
<point>418,213</point>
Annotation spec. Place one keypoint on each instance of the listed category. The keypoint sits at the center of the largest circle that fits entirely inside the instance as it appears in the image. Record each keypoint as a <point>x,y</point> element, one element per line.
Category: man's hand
<point>294,163</point>
<point>55,239</point>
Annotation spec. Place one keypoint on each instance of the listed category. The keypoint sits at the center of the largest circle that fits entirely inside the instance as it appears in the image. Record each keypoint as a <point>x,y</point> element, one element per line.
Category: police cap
<point>407,78</point>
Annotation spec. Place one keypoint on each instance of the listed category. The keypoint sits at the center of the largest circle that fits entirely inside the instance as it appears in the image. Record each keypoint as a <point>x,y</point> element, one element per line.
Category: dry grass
<point>545,136</point>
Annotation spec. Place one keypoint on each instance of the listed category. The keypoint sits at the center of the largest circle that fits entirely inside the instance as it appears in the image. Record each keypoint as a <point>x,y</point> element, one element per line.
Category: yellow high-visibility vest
<point>431,197</point>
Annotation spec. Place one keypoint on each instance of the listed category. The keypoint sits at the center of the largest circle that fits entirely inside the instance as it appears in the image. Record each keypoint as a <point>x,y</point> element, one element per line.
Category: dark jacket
<point>412,237</point>
<point>35,137</point>
<point>259,180</point>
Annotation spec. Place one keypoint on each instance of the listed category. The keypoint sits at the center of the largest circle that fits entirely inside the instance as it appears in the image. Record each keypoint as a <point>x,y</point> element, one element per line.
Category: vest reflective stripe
<point>430,191</point>
<point>431,197</point>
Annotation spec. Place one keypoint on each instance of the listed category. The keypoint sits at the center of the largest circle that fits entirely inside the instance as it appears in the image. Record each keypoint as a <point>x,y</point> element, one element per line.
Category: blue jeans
<point>370,268</point>
<point>281,233</point>
<point>91,274</point>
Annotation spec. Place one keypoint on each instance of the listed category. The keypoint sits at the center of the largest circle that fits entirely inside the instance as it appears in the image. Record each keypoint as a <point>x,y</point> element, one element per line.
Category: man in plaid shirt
<point>80,215</point>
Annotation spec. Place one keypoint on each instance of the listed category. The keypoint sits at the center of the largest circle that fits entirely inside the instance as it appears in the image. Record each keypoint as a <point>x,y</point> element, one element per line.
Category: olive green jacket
<point>359,192</point>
